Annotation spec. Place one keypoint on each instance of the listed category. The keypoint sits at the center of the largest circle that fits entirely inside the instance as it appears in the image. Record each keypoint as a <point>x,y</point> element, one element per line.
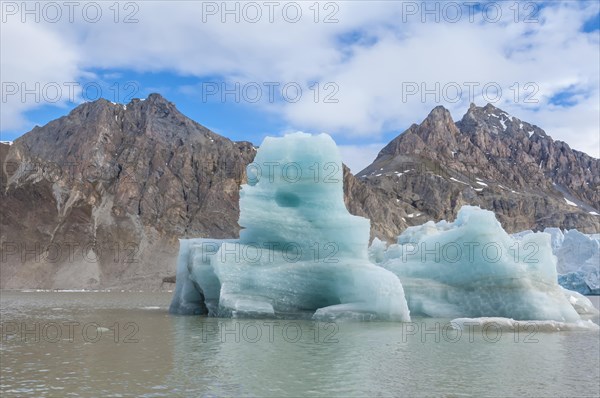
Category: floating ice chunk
<point>471,268</point>
<point>510,325</point>
<point>578,260</point>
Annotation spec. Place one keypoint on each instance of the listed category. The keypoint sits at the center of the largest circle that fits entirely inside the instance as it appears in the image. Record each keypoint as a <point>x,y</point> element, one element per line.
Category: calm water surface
<point>126,344</point>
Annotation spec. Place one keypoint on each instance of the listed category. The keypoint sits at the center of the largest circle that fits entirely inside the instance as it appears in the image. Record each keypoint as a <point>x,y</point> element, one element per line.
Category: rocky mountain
<point>493,160</point>
<point>98,198</point>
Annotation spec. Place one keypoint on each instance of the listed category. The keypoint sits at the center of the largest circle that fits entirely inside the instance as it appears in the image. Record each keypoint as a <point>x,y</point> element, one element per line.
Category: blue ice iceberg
<point>578,260</point>
<point>473,268</point>
<point>300,252</point>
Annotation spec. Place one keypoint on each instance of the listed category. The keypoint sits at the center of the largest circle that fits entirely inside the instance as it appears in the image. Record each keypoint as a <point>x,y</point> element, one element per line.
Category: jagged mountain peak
<point>492,159</point>
<point>152,98</point>
<point>102,125</point>
<point>492,120</point>
<point>157,98</point>
<point>439,112</point>
<point>486,113</point>
<point>437,125</point>
<point>154,105</point>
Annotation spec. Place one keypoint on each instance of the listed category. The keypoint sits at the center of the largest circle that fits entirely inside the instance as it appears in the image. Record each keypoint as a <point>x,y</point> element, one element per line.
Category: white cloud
<point>33,55</point>
<point>371,74</point>
<point>357,157</point>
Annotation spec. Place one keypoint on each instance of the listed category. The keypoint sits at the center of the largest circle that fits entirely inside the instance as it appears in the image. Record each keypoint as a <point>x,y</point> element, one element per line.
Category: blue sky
<point>377,67</point>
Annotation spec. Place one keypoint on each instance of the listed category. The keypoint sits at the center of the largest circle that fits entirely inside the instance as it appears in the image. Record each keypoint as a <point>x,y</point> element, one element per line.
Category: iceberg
<point>578,259</point>
<point>581,281</point>
<point>300,252</point>
<point>511,325</point>
<point>472,268</point>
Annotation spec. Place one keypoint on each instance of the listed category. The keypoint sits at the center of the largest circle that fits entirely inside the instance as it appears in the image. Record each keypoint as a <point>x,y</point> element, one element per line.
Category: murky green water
<point>126,344</point>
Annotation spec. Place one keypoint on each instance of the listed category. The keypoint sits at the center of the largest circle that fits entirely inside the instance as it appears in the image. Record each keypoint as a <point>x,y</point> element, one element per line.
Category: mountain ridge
<point>493,160</point>
<point>97,198</point>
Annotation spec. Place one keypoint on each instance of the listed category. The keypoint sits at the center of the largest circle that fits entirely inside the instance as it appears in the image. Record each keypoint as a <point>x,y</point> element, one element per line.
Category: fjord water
<point>64,344</point>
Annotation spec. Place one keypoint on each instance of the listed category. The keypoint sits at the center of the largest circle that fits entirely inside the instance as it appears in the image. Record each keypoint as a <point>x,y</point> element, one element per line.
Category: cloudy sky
<point>362,71</point>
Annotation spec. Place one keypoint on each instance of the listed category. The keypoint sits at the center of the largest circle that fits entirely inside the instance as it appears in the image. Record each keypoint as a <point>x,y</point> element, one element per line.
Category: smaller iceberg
<point>578,260</point>
<point>511,325</point>
<point>472,268</point>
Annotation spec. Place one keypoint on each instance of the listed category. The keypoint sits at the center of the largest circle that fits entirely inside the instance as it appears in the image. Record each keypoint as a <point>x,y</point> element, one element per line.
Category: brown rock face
<point>492,160</point>
<point>98,198</point>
